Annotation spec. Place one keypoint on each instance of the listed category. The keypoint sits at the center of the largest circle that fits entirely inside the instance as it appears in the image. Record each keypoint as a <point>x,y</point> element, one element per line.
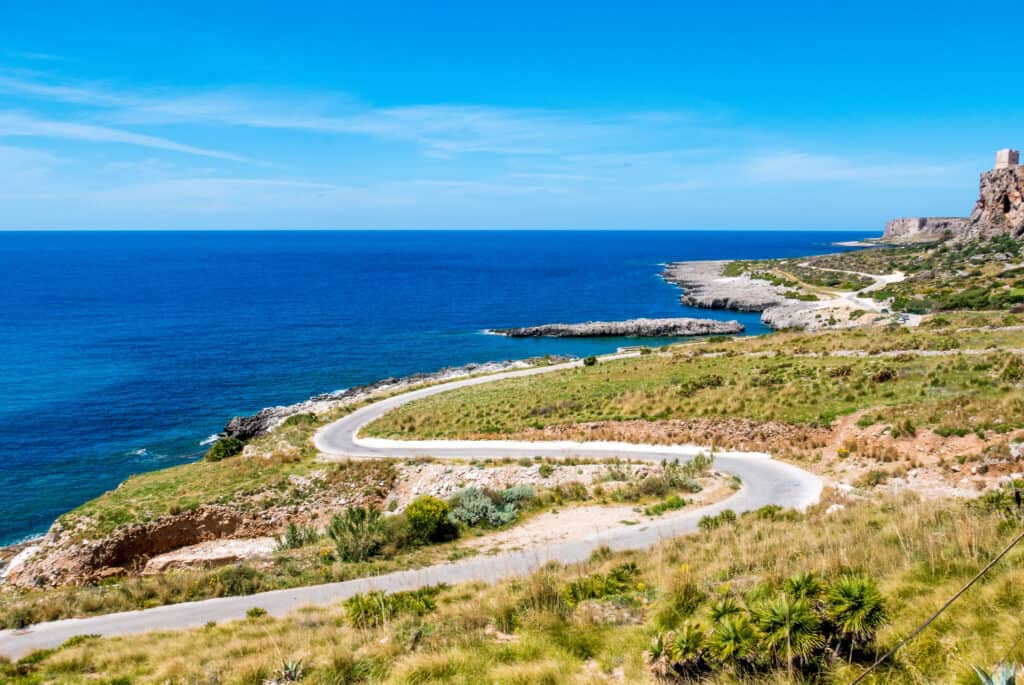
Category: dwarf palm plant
<point>805,585</point>
<point>688,650</point>
<point>734,641</point>
<point>790,630</point>
<point>856,609</point>
<point>726,606</point>
<point>678,653</point>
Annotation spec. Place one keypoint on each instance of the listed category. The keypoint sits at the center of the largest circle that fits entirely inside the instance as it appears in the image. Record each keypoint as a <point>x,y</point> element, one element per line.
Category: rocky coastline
<point>251,426</point>
<point>704,285</point>
<point>632,328</point>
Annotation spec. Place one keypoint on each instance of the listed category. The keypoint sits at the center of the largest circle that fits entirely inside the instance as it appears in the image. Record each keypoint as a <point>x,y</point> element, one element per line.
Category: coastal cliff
<point>999,210</point>
<point>922,229</point>
<point>636,328</point>
<point>1000,206</point>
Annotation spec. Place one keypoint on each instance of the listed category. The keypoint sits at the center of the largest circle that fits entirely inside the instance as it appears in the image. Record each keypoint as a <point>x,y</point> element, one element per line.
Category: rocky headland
<point>999,210</point>
<point>705,285</point>
<point>633,328</point>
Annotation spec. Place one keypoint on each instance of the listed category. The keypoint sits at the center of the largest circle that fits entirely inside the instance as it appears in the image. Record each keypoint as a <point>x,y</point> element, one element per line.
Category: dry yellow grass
<point>920,552</point>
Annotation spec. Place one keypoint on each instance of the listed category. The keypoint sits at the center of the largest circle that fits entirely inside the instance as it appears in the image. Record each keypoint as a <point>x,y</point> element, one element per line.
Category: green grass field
<point>791,378</point>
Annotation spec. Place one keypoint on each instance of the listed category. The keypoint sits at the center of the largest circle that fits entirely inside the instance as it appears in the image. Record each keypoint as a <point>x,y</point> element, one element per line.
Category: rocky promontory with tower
<point>999,209</point>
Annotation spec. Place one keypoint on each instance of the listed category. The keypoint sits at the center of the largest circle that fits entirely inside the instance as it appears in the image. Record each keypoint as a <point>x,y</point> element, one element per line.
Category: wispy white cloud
<point>442,130</point>
<point>15,124</point>
<point>803,167</point>
<point>519,161</point>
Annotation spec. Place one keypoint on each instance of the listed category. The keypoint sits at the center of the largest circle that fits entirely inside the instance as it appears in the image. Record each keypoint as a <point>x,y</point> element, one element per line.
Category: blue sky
<point>487,115</point>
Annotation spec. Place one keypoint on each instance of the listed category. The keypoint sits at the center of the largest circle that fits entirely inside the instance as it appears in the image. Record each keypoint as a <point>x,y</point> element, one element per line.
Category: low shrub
<point>427,517</point>
<point>377,608</point>
<point>475,507</point>
<point>357,533</point>
<point>307,419</point>
<point>224,448</point>
<point>711,522</point>
<point>600,585</point>
<point>670,503</point>
<point>801,626</point>
<point>590,361</point>
<point>296,536</point>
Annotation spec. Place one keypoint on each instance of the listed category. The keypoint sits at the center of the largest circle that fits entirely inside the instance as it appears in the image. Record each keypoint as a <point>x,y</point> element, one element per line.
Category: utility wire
<point>945,606</point>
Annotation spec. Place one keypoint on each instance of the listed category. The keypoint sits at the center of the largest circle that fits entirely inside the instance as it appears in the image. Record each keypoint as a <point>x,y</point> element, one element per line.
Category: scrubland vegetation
<point>719,606</point>
<point>981,275</point>
<point>360,541</point>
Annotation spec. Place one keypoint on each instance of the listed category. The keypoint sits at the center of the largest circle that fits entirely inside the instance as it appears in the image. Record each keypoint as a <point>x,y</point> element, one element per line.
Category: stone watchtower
<point>1007,158</point>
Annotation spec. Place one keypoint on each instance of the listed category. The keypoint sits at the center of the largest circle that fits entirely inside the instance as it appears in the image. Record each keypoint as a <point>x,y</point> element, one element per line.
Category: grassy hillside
<point>585,624</point>
<point>938,376</point>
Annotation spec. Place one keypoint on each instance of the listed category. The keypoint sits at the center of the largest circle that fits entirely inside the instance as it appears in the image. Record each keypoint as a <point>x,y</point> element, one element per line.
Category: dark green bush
<point>224,448</point>
<point>590,361</point>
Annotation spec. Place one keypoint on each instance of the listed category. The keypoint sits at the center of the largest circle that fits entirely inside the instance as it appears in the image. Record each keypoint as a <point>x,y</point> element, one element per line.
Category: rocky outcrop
<point>704,286</point>
<point>127,548</point>
<point>998,211</point>
<point>1000,206</point>
<point>211,555</point>
<point>633,328</point>
<point>266,420</point>
<point>923,229</point>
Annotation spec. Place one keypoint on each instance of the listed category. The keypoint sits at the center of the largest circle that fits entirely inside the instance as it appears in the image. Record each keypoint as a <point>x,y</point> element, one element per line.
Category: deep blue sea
<point>121,351</point>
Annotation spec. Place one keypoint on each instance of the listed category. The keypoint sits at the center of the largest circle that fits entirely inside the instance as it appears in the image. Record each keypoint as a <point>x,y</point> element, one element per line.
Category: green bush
<point>670,503</point>
<point>590,361</point>
<point>377,608</point>
<point>708,522</point>
<point>224,448</point>
<point>474,507</point>
<point>600,585</point>
<point>237,580</point>
<point>296,536</point>
<point>358,533</point>
<point>428,520</point>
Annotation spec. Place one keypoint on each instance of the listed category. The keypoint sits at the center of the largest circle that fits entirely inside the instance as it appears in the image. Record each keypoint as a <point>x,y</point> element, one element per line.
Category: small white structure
<point>1007,158</point>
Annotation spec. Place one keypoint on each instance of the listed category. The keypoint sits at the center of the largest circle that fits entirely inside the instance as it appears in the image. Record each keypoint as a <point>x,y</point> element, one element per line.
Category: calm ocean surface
<point>121,352</point>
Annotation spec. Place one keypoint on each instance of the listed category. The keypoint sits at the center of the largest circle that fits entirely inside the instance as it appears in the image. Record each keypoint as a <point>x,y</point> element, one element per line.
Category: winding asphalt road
<point>765,481</point>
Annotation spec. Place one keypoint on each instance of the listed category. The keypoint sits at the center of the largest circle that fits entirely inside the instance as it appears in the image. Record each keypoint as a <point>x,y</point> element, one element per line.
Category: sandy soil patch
<point>580,521</point>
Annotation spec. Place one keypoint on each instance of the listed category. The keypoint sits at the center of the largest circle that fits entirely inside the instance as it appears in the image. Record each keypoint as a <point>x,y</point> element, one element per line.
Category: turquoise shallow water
<point>121,351</point>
